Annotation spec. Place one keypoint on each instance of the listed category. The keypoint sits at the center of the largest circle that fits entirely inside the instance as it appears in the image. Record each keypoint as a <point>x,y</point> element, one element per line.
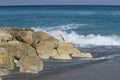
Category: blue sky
<point>59,2</point>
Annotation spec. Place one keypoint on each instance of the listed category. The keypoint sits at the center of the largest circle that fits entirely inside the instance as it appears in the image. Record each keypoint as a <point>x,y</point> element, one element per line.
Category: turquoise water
<point>101,24</point>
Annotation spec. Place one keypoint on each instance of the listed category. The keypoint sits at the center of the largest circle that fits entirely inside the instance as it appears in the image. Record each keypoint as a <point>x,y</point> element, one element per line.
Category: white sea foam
<point>106,57</point>
<point>61,27</point>
<point>91,39</point>
<point>81,40</point>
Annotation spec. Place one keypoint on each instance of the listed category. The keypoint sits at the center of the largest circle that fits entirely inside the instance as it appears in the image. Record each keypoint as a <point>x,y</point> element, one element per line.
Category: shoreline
<point>27,50</point>
<point>100,70</point>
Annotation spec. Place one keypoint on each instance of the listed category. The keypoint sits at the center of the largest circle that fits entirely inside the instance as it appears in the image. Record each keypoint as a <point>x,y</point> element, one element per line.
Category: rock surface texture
<point>5,36</point>
<point>32,64</point>
<point>27,49</point>
<point>6,62</point>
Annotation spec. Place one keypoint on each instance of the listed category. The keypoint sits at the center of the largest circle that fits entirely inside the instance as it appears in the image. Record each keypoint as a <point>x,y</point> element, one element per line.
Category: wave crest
<point>61,27</point>
<point>81,40</point>
<point>91,39</point>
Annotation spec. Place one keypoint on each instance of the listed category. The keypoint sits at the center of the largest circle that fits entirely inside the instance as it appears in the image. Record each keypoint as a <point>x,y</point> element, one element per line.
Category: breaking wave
<point>81,40</point>
<point>61,27</point>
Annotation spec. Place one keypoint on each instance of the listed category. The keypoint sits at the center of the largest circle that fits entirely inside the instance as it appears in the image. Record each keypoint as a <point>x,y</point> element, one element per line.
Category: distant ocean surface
<point>94,29</point>
<point>83,25</point>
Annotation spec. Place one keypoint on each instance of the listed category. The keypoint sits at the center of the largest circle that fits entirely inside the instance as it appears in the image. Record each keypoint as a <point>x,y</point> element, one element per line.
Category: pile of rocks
<point>27,49</point>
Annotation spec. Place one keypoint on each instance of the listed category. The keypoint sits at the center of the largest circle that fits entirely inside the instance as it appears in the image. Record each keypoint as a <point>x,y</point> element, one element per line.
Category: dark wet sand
<point>108,70</point>
<point>102,69</point>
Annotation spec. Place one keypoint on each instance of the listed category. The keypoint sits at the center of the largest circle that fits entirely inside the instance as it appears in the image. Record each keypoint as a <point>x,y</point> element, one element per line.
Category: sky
<point>59,2</point>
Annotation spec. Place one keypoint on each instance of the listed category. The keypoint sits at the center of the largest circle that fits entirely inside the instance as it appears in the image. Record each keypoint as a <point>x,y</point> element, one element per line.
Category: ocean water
<point>94,29</point>
<point>83,25</point>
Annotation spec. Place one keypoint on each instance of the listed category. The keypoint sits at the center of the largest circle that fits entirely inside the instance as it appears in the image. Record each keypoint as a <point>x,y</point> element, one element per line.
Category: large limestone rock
<point>31,37</point>
<point>62,56</point>
<point>3,72</point>
<point>25,36</point>
<point>17,49</point>
<point>16,32</point>
<point>5,36</point>
<point>40,36</point>
<point>30,64</point>
<point>13,32</point>
<point>68,49</point>
<point>6,61</point>
<point>47,48</point>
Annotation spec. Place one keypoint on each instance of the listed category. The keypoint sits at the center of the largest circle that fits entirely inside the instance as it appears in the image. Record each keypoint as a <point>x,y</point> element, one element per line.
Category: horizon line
<point>62,5</point>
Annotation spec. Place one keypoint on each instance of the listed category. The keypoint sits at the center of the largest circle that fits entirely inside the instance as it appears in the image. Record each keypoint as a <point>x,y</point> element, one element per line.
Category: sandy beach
<point>100,68</point>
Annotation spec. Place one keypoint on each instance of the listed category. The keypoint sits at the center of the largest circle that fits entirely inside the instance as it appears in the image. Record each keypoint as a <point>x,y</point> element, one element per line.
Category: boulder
<point>5,36</point>
<point>32,64</point>
<point>47,48</point>
<point>14,31</point>
<point>62,56</point>
<point>11,43</point>
<point>25,36</point>
<point>6,61</point>
<point>18,49</point>
<point>3,72</point>
<point>69,49</point>
<point>40,36</point>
